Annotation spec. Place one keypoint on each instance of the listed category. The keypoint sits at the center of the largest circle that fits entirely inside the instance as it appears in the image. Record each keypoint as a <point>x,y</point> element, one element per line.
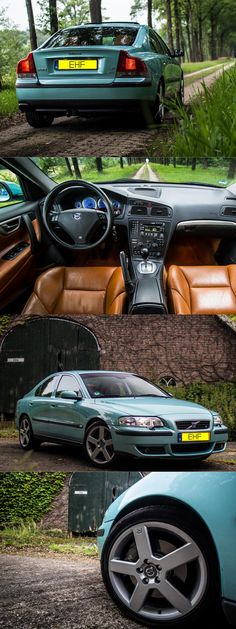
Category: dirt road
<point>50,593</point>
<point>106,135</point>
<point>146,172</point>
<point>52,458</point>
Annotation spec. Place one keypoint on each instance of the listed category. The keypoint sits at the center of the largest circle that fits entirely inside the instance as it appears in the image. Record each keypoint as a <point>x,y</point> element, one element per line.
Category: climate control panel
<point>151,235</point>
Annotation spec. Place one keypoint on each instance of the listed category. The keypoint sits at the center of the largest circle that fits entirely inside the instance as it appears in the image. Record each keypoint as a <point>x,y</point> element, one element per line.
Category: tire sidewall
<point>210,602</point>
<point>102,466</point>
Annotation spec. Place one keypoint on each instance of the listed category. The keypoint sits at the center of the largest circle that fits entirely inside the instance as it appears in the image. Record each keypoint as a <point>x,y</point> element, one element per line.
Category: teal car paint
<point>127,63</point>
<point>209,497</point>
<point>139,418</point>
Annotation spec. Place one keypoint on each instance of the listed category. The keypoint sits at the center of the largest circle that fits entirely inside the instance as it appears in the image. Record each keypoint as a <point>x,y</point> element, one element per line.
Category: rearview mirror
<point>70,395</point>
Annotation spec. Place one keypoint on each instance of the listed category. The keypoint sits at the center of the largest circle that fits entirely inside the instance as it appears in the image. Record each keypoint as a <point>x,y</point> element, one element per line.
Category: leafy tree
<point>53,16</point>
<point>69,13</point>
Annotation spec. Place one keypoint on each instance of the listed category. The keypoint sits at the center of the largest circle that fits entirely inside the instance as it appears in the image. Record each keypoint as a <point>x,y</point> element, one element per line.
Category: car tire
<point>39,120</point>
<point>26,435</point>
<point>158,108</point>
<point>197,580</point>
<point>98,446</point>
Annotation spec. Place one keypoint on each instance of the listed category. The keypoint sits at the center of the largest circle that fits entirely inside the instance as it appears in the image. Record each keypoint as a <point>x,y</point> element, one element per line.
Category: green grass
<point>178,174</point>
<point>8,430</point>
<point>209,128</point>
<point>189,80</point>
<point>8,101</point>
<point>189,67</point>
<point>108,174</point>
<point>29,537</point>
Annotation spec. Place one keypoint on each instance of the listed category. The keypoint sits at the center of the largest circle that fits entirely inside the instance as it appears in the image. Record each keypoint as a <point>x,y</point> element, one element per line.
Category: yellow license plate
<point>194,436</point>
<point>77,64</point>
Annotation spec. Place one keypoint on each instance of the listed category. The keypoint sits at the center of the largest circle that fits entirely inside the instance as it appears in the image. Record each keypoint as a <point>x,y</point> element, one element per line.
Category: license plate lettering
<point>77,64</point>
<point>194,436</point>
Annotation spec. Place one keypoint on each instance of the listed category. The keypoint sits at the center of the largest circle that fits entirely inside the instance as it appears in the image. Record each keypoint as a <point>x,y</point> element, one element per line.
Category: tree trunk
<point>213,35</point>
<point>68,166</point>
<point>232,168</point>
<point>99,165</point>
<point>177,24</point>
<point>76,167</point>
<point>95,10</point>
<point>150,13</point>
<point>32,30</point>
<point>121,162</point>
<point>53,16</point>
<point>169,25</point>
<point>194,163</point>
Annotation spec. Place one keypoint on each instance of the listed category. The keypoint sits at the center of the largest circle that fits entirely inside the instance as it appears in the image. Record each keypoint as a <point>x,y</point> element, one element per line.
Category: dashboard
<point>78,198</point>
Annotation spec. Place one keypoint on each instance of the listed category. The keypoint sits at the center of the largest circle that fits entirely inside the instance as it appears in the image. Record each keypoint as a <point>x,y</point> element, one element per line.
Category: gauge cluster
<point>75,199</point>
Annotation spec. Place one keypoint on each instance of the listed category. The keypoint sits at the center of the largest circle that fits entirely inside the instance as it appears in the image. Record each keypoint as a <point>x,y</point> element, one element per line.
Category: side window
<point>68,383</point>
<point>46,389</point>
<point>10,188</point>
<point>156,44</point>
<point>163,45</point>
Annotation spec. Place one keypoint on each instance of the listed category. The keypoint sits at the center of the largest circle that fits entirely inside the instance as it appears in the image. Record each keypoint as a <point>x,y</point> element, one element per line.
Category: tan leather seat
<point>75,290</point>
<point>202,289</point>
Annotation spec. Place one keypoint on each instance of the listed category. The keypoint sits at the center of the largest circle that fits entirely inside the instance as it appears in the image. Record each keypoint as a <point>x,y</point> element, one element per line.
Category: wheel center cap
<point>151,571</point>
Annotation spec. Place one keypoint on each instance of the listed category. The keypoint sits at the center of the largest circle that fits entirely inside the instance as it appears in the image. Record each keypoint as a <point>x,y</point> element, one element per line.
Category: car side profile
<point>168,550</point>
<point>111,413</point>
<point>98,67</point>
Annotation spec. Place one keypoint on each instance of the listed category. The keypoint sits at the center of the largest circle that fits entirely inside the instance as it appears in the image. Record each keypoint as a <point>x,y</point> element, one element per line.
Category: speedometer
<point>89,203</point>
<point>77,203</point>
<point>116,205</point>
<point>101,204</point>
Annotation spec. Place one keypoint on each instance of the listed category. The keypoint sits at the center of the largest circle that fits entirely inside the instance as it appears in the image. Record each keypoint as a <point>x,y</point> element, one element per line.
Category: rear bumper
<point>81,98</point>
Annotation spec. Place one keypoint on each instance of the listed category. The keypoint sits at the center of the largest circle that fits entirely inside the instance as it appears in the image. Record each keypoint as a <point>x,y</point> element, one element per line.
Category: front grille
<point>151,449</point>
<point>190,424</point>
<point>191,448</point>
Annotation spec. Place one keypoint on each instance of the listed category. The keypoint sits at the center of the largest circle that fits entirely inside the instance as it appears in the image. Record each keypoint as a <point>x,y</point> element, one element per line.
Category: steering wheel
<point>80,224</point>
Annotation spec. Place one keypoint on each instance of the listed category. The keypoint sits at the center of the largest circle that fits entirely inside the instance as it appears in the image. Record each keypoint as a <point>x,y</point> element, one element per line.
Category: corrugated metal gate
<point>37,347</point>
<point>91,494</point>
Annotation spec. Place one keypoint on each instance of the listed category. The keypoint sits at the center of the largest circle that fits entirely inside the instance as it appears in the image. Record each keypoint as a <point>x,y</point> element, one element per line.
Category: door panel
<point>18,272</point>
<point>66,420</point>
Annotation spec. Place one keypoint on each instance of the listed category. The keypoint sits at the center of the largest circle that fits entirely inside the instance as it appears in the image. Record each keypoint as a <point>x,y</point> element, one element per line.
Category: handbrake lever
<point>129,285</point>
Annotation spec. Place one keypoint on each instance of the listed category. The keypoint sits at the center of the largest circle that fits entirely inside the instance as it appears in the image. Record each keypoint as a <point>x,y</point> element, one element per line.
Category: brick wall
<point>186,348</point>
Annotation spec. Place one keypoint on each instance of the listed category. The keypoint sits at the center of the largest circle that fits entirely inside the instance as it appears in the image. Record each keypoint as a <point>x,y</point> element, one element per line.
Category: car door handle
<point>53,405</point>
<point>31,404</point>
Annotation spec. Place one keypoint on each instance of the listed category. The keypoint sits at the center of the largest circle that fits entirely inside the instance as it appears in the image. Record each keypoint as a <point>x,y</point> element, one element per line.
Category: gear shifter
<point>146,267</point>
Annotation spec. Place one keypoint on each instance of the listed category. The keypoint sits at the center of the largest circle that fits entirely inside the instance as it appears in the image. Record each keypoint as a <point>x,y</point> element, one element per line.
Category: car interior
<point>128,246</point>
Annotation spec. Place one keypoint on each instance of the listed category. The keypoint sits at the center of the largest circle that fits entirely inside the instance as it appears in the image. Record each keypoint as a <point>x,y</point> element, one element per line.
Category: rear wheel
<point>38,120</point>
<point>26,435</point>
<point>158,108</point>
<point>98,445</point>
<point>159,566</point>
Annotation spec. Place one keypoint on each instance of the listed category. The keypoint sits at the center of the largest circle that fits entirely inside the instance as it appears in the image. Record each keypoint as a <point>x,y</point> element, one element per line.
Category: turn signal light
<point>130,66</point>
<point>26,67</point>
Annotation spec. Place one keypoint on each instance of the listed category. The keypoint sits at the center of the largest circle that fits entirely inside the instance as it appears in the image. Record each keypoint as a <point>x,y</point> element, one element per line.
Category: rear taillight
<point>130,66</point>
<point>26,67</point>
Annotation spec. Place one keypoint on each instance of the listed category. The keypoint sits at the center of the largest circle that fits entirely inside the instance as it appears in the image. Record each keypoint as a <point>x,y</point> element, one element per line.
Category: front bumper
<point>163,443</point>
<point>81,97</point>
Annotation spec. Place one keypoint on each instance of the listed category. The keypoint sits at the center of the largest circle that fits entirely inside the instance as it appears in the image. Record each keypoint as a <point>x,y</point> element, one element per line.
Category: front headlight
<point>218,421</point>
<point>142,422</point>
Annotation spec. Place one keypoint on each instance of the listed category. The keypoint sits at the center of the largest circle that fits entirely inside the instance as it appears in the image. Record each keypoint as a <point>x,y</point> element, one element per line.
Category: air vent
<point>136,210</point>
<point>228,211</point>
<point>160,210</point>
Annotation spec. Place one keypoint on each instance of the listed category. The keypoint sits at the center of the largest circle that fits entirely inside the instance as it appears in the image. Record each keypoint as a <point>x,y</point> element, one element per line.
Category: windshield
<point>94,36</point>
<point>214,172</point>
<point>113,385</point>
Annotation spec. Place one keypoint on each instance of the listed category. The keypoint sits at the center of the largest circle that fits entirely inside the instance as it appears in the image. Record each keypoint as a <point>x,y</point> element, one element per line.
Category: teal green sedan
<point>99,67</point>
<point>112,413</point>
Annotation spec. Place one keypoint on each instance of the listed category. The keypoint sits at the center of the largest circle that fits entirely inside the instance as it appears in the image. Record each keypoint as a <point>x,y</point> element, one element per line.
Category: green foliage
<point>70,13</point>
<point>219,397</point>
<point>31,537</point>
<point>211,127</point>
<point>27,497</point>
<point>4,323</point>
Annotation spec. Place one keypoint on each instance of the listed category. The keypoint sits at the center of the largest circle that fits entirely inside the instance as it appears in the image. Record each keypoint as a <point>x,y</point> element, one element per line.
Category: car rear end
<point>89,68</point>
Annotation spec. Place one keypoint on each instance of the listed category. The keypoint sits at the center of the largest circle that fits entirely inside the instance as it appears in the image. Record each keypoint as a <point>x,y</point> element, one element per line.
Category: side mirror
<point>178,52</point>
<point>4,194</point>
<point>70,395</point>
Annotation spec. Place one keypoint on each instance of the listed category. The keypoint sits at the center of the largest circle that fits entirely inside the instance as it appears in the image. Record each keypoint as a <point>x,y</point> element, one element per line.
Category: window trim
<point>68,375</point>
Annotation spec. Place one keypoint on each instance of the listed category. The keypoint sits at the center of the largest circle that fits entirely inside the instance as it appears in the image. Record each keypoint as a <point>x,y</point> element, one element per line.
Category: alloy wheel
<point>99,444</point>
<point>157,571</point>
<point>25,432</point>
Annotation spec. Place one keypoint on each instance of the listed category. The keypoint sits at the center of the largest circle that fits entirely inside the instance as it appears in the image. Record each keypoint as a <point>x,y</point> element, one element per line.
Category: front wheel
<point>159,566</point>
<point>98,445</point>
<point>26,435</point>
<point>39,120</point>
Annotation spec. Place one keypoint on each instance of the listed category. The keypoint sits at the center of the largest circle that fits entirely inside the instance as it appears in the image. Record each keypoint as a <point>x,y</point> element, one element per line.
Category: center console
<point>149,230</point>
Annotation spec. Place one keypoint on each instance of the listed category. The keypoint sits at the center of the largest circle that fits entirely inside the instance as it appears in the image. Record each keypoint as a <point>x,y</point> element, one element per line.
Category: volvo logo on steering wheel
<point>77,216</point>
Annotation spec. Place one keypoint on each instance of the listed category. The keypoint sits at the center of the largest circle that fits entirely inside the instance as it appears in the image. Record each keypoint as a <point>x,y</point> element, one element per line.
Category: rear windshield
<point>94,36</point>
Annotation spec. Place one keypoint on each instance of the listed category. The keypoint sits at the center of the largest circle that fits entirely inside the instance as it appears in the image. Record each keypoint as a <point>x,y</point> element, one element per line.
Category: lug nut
<point>139,570</point>
<point>159,568</point>
<point>146,581</point>
<point>157,580</point>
